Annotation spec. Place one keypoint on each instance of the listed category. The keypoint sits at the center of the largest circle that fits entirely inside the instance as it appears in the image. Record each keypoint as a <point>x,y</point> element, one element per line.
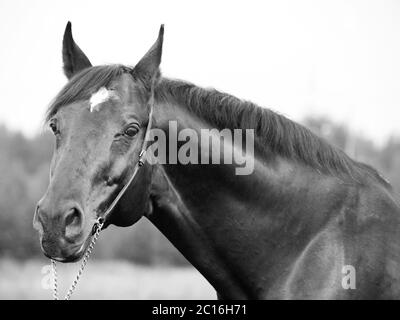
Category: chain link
<point>98,226</point>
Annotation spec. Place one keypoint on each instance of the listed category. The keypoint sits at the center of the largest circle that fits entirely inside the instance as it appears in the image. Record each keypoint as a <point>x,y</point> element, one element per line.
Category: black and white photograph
<point>199,154</point>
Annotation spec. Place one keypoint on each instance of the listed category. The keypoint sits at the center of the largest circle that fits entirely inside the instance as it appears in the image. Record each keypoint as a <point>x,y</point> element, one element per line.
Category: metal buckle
<point>141,155</point>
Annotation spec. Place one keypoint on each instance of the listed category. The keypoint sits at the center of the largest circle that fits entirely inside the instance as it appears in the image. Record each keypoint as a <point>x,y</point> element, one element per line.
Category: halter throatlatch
<point>98,225</point>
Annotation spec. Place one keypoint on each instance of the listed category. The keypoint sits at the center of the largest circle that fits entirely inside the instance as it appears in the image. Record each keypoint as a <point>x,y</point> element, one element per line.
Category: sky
<point>339,59</point>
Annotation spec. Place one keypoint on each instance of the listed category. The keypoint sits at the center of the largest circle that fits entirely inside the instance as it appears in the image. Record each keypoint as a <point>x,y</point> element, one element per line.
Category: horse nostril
<point>37,220</point>
<point>73,224</point>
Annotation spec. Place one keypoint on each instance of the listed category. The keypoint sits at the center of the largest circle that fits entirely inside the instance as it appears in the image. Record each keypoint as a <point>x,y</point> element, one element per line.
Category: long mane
<point>274,132</point>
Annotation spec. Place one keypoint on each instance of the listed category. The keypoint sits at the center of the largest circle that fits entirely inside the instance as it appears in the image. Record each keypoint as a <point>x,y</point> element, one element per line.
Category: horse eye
<point>131,131</point>
<point>53,127</point>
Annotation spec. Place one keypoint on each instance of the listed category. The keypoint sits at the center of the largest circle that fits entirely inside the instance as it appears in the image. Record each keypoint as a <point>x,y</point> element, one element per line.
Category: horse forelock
<point>85,85</point>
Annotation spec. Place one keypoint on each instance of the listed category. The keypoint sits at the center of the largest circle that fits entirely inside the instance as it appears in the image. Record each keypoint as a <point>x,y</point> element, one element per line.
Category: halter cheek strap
<point>102,218</point>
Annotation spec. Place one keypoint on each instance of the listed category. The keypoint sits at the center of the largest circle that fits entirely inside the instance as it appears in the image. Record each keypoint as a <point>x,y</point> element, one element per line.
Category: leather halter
<point>102,218</point>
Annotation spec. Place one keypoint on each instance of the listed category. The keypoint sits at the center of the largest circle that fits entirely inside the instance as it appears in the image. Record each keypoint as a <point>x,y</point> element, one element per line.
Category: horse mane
<point>273,132</point>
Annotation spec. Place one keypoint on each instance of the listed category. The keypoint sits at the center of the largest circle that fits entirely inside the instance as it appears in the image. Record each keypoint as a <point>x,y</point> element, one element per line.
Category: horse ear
<point>148,68</point>
<point>73,57</point>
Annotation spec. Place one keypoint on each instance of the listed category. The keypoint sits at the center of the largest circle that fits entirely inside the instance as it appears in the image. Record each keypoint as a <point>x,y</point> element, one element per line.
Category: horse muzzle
<point>61,232</point>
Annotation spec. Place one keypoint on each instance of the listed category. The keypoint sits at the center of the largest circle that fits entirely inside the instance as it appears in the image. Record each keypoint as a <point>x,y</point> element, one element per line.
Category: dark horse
<point>308,222</point>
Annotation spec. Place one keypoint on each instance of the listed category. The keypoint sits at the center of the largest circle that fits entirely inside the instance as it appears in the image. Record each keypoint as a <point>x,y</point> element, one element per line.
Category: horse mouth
<point>78,253</point>
<point>71,254</point>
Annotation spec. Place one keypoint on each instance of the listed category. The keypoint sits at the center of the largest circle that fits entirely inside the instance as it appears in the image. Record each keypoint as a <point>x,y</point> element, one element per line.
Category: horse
<point>308,222</point>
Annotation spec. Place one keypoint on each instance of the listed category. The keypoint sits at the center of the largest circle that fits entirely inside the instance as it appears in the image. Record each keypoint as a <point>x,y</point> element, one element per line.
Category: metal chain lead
<point>55,285</point>
<point>98,226</point>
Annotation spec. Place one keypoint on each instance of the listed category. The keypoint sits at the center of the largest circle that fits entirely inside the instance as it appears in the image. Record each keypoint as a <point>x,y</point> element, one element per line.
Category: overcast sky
<point>334,58</point>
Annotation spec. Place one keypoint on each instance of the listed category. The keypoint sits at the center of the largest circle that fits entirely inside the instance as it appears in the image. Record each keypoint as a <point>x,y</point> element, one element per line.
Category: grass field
<point>103,280</point>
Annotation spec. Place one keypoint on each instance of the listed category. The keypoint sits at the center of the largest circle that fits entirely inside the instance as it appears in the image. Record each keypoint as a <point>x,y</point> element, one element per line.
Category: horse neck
<point>223,223</point>
<point>178,223</point>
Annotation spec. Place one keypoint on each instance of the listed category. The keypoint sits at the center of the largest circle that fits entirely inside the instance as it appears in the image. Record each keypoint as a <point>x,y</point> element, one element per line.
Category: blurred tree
<point>385,159</point>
